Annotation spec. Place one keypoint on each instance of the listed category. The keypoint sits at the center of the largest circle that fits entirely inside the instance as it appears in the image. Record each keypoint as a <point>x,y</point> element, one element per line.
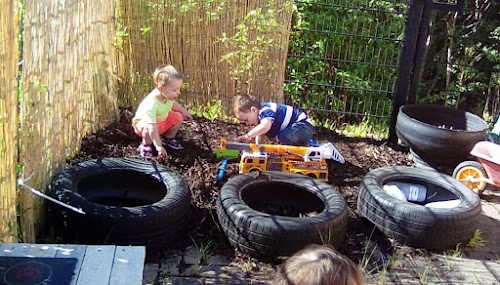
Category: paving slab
<point>440,269</point>
<point>477,265</point>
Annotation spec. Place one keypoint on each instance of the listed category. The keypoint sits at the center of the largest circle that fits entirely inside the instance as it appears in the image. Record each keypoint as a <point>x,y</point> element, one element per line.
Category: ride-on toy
<point>486,170</point>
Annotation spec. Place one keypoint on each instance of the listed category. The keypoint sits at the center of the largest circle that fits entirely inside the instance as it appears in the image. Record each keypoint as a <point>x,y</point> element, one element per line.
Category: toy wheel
<point>468,170</point>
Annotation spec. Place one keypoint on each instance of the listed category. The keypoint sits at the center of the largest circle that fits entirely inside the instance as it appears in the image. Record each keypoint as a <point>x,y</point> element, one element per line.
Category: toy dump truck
<point>307,160</point>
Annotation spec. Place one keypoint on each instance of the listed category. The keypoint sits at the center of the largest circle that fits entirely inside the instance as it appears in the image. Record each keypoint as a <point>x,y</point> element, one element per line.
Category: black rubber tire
<point>126,202</point>
<point>442,167</point>
<point>413,223</point>
<point>240,210</point>
<point>478,168</point>
<point>420,126</point>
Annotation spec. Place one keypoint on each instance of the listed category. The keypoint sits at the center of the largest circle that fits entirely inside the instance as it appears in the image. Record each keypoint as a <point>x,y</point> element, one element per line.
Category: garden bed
<point>198,164</point>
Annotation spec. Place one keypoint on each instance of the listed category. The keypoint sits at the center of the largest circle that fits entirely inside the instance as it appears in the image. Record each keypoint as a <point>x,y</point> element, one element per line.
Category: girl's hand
<point>162,152</point>
<point>187,117</point>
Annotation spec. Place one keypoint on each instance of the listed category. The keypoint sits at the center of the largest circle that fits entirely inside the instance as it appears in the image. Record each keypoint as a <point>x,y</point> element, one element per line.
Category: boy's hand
<point>261,140</point>
<point>162,152</point>
<point>243,138</point>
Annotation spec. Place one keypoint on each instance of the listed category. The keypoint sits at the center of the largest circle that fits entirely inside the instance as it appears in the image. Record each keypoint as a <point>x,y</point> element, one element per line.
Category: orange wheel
<point>468,170</point>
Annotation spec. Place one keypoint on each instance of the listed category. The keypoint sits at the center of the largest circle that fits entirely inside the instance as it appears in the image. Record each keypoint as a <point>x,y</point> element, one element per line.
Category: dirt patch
<point>198,164</point>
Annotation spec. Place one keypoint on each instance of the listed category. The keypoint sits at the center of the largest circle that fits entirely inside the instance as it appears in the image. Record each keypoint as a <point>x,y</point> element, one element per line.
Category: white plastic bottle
<point>413,192</point>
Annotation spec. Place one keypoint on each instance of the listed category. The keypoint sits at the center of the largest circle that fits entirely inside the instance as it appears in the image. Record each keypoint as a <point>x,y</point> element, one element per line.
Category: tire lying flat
<point>126,202</point>
<point>413,223</point>
<point>244,200</point>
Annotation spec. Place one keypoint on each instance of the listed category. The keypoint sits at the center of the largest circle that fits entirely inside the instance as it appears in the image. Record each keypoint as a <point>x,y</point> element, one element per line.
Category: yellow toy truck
<point>307,160</point>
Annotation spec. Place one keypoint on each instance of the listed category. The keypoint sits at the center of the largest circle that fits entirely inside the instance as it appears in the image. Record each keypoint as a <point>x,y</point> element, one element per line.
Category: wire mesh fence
<point>343,57</point>
<point>461,65</point>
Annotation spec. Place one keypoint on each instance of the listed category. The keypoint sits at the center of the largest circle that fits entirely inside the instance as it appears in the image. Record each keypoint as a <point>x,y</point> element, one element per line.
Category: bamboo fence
<point>195,40</point>
<point>82,59</point>
<point>68,89</point>
<point>9,31</point>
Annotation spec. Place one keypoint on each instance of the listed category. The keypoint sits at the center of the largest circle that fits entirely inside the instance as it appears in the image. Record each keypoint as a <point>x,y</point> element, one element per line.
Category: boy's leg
<point>299,133</point>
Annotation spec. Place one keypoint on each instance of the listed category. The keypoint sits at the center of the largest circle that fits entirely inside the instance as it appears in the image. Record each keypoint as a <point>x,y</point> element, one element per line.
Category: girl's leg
<point>142,131</point>
<point>171,125</point>
<point>145,149</point>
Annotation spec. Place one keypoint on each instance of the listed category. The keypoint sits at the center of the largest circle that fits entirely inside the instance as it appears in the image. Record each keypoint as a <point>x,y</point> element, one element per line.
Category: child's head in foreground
<point>318,265</point>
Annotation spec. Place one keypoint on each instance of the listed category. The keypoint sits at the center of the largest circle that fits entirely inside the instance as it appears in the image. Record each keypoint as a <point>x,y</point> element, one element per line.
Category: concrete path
<point>476,265</point>
<point>178,269</point>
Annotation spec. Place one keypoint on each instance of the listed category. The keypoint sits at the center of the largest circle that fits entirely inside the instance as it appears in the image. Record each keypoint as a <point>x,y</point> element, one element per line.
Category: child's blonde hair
<point>164,74</point>
<point>243,103</point>
<point>319,265</point>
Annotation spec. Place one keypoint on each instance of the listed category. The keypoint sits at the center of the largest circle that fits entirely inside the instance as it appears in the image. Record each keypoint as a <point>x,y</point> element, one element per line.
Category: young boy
<point>159,113</point>
<point>287,124</point>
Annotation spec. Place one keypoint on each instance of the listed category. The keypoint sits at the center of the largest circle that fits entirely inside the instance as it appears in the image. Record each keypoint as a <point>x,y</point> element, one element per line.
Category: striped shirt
<point>282,115</point>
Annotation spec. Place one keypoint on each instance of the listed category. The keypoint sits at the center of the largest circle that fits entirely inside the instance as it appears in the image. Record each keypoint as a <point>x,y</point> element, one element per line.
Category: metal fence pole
<point>422,41</point>
<point>406,63</point>
<point>420,52</point>
<point>412,56</point>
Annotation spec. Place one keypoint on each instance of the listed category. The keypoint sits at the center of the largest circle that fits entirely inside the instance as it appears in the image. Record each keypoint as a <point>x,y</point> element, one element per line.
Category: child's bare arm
<point>154,134</point>
<point>262,128</point>
<point>178,108</point>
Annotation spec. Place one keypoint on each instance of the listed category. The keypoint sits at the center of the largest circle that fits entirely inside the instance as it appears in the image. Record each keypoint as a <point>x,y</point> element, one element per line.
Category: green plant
<point>369,249</point>
<point>120,36</point>
<point>250,43</point>
<point>381,276</point>
<point>248,266</point>
<point>368,252</point>
<point>455,253</point>
<point>215,220</point>
<point>204,252</point>
<point>210,111</point>
<point>368,127</point>
<point>476,240</point>
<point>463,59</point>
<point>422,273</point>
<point>213,111</point>
<point>325,236</point>
<point>329,70</point>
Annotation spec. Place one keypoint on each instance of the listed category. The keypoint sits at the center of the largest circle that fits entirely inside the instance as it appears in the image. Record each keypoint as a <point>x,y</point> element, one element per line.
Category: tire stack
<point>439,137</point>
